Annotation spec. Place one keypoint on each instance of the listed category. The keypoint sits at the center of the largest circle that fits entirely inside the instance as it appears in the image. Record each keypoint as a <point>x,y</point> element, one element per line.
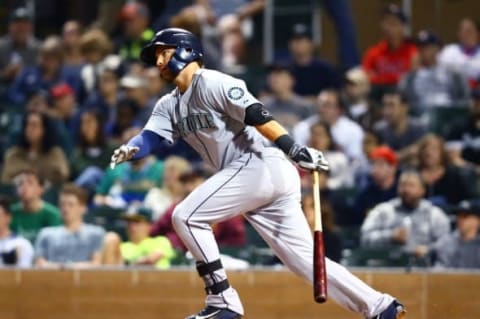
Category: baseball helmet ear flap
<point>183,55</point>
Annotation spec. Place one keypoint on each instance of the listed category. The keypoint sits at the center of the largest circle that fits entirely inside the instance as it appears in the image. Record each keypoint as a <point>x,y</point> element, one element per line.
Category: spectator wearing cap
<point>356,94</point>
<point>37,148</point>
<point>65,108</point>
<point>19,48</point>
<point>136,89</point>
<point>135,17</point>
<point>433,85</point>
<point>140,249</point>
<point>396,128</point>
<point>75,243</point>
<point>461,248</point>
<point>408,222</point>
<point>463,140</point>
<point>229,233</point>
<point>31,213</point>
<point>49,72</point>
<point>347,134</point>
<point>464,56</point>
<point>15,250</point>
<point>381,185</point>
<point>283,103</point>
<point>394,55</point>
<point>311,74</point>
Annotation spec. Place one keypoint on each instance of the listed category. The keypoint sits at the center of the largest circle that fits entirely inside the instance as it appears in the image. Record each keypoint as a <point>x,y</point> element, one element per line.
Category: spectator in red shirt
<point>393,56</point>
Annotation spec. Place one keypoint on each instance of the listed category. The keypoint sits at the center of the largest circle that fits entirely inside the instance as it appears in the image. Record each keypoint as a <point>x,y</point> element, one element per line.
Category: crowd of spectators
<point>401,132</point>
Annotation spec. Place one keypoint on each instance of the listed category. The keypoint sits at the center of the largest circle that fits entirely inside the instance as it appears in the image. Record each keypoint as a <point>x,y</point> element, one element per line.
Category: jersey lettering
<point>194,122</point>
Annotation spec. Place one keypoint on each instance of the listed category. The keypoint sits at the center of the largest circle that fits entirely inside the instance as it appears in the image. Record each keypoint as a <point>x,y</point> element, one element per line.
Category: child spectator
<point>32,213</point>
<point>140,249</point>
<point>92,153</point>
<point>37,149</point>
<point>393,56</point>
<point>445,183</point>
<point>73,244</point>
<point>15,250</point>
<point>408,221</point>
<point>461,248</point>
<point>433,85</point>
<point>158,199</point>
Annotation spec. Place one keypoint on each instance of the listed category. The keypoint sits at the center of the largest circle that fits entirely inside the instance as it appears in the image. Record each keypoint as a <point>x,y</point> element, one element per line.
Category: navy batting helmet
<point>188,48</point>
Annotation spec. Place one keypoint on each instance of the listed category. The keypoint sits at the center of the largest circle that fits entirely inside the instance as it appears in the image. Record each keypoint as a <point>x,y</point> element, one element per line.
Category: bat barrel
<point>319,269</point>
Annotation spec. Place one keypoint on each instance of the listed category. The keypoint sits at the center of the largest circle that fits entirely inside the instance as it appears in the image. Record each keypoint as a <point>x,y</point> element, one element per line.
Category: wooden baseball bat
<point>319,269</point>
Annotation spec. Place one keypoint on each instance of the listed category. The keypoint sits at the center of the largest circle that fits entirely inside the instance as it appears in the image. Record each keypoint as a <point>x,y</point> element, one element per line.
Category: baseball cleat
<point>215,313</point>
<point>394,311</point>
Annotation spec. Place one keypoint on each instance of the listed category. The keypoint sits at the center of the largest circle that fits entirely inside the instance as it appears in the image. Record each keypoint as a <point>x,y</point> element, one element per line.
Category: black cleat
<point>215,313</point>
<point>394,311</point>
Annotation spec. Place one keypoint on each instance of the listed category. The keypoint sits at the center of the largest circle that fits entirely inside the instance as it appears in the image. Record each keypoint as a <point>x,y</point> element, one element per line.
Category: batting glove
<point>308,158</point>
<point>122,154</point>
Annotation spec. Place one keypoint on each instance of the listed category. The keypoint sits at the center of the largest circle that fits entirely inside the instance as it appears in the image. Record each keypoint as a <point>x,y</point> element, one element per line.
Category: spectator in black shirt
<point>311,74</point>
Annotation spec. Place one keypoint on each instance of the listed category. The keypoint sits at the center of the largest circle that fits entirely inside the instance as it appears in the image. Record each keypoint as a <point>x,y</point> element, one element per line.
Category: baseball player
<point>217,115</point>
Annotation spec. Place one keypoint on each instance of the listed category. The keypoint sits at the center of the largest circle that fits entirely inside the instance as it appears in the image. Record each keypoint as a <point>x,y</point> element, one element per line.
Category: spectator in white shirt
<point>464,57</point>
<point>14,250</point>
<point>347,134</point>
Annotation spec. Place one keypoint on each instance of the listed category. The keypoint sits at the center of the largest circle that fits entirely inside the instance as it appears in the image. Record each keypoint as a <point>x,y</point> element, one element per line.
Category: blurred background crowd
<point>399,123</point>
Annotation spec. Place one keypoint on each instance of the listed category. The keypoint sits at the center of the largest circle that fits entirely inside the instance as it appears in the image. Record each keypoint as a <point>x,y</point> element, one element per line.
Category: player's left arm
<point>256,115</point>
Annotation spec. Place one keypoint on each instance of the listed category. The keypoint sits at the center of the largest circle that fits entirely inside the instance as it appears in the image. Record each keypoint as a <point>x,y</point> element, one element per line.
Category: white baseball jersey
<point>210,117</point>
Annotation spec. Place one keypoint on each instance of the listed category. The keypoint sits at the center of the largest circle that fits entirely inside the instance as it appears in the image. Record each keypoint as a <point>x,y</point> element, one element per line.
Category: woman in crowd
<point>446,184</point>
<point>92,153</point>
<point>37,148</point>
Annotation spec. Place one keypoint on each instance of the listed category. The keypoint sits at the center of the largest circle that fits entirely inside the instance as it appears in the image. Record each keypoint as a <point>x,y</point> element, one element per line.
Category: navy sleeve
<point>147,142</point>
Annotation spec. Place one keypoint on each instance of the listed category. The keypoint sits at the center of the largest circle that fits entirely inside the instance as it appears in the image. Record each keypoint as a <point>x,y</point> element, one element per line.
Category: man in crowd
<point>461,249</point>
<point>397,129</point>
<point>73,244</point>
<point>136,89</point>
<point>347,134</point>
<point>32,213</point>
<point>287,107</point>
<point>382,184</point>
<point>140,249</point>
<point>311,74</point>
<point>433,85</point>
<point>394,55</point>
<point>408,221</point>
<point>18,48</point>
<point>14,250</point>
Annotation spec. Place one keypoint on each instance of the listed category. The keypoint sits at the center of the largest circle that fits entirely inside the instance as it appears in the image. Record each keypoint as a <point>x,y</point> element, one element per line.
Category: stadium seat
<point>109,219</point>
<point>376,257</point>
<point>441,120</point>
